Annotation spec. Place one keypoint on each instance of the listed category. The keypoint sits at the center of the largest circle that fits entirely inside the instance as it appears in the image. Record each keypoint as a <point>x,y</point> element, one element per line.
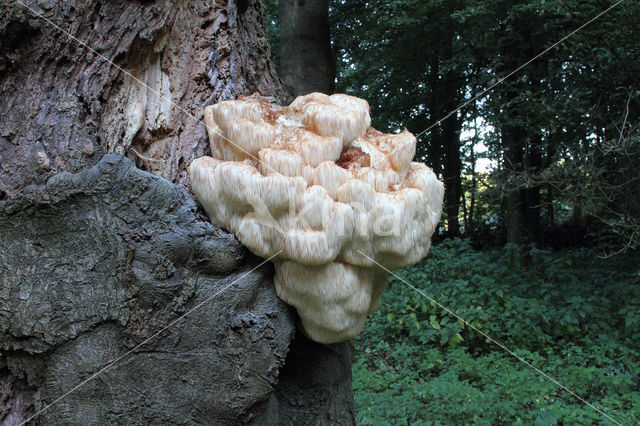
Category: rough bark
<point>306,59</point>
<point>64,105</point>
<point>96,262</point>
<point>323,371</point>
<point>96,255</point>
<point>93,263</point>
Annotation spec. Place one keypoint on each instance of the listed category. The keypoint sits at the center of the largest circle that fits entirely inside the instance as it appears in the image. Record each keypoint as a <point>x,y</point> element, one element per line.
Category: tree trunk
<point>512,144</point>
<point>434,148</point>
<point>532,193</point>
<point>444,143</point>
<point>453,170</point>
<point>551,216</point>
<point>95,262</point>
<point>306,59</point>
<point>470,227</point>
<point>448,95</point>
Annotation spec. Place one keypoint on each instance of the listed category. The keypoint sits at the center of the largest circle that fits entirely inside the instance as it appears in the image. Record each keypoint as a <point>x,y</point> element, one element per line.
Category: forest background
<point>528,112</point>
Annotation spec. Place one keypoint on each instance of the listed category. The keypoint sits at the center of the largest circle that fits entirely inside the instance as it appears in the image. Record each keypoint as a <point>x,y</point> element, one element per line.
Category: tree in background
<point>306,60</point>
<point>412,76</point>
<point>548,115</point>
<point>560,133</point>
<point>554,114</point>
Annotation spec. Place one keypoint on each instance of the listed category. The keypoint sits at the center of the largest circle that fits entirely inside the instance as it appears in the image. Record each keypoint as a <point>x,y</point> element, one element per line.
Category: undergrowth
<point>571,314</point>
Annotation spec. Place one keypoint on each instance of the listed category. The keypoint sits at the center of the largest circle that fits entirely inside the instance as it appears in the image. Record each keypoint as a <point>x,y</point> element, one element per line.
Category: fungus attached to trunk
<point>328,195</point>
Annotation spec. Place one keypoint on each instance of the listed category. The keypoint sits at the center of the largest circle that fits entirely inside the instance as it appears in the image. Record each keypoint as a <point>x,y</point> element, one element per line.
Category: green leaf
<point>433,322</point>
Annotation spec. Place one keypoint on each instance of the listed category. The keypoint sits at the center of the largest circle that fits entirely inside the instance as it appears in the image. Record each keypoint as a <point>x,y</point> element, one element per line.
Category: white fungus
<point>330,195</point>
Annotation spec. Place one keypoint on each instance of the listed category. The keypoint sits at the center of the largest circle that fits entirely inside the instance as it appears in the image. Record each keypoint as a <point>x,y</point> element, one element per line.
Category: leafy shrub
<point>570,314</point>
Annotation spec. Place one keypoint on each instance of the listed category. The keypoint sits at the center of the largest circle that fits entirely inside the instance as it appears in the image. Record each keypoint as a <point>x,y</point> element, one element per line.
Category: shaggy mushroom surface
<point>328,196</point>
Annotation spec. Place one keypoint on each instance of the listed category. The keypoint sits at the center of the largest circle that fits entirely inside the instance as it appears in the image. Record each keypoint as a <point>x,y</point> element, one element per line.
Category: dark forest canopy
<point>547,155</point>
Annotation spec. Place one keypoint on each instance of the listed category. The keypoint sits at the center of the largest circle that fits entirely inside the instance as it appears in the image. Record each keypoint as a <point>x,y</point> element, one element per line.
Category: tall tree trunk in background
<point>95,261</point>
<point>470,227</point>
<point>551,215</point>
<point>444,141</point>
<point>512,145</point>
<point>548,159</point>
<point>532,199</point>
<point>513,138</point>
<point>306,60</point>
<point>435,145</point>
<point>448,89</point>
<point>452,171</point>
<point>534,150</point>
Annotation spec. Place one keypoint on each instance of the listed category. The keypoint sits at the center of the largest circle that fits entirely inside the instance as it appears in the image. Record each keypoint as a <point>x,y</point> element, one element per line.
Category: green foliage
<point>572,314</point>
